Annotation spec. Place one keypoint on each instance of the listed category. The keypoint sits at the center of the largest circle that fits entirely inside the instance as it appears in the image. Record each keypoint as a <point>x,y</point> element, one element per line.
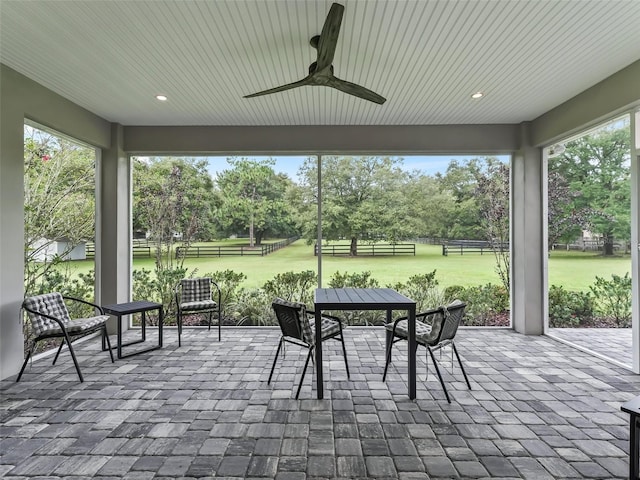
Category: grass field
<point>572,270</point>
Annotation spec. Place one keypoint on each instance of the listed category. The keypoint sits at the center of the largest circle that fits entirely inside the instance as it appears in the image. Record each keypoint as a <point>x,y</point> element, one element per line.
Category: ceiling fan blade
<point>356,90</point>
<point>329,36</point>
<point>281,88</point>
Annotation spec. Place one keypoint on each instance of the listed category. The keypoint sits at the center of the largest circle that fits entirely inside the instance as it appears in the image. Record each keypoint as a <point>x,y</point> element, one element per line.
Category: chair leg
<point>73,356</point>
<point>219,324</point>
<point>55,359</point>
<point>388,354</point>
<point>455,350</point>
<point>24,365</point>
<point>105,338</point>
<point>304,371</point>
<point>435,363</point>
<point>179,320</point>
<point>344,352</point>
<point>273,367</point>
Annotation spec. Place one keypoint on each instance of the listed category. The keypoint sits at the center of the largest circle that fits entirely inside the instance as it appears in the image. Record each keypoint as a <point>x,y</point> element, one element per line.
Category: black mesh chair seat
<point>298,327</point>
<point>435,329</point>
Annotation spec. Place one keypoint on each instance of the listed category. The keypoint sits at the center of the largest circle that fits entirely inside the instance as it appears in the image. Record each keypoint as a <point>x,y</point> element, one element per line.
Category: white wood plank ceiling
<point>425,56</point>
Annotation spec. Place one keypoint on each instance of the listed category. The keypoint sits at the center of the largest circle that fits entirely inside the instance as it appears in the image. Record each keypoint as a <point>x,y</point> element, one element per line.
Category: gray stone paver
<point>539,409</point>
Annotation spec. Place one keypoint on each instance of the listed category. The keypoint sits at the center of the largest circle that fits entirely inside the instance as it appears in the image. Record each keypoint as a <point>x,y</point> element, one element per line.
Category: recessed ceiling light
<point>477,95</point>
<point>162,98</point>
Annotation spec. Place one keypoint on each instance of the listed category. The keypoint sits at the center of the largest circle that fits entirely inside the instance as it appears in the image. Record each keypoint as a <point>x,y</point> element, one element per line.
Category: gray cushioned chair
<point>194,296</point>
<point>50,319</point>
<point>435,329</point>
<point>298,327</point>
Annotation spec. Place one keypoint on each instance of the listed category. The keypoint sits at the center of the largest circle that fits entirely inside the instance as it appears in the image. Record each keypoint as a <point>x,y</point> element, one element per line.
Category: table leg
<point>389,335</point>
<point>160,320</point>
<point>319,382</point>
<point>634,432</point>
<point>119,320</point>
<point>144,326</point>
<point>413,346</point>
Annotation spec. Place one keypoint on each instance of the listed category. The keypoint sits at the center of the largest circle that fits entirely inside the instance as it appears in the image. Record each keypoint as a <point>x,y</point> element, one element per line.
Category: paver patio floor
<point>538,409</point>
<point>613,343</point>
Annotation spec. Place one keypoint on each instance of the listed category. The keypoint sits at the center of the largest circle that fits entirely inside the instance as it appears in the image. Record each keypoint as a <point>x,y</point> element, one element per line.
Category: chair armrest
<point>422,316</point>
<point>219,296</point>
<point>176,295</point>
<point>100,309</point>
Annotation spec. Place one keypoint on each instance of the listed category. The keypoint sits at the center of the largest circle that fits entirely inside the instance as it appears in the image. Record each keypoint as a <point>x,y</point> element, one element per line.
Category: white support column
<point>527,242</point>
<point>114,225</point>
<point>319,237</point>
<point>635,239</point>
<point>11,234</point>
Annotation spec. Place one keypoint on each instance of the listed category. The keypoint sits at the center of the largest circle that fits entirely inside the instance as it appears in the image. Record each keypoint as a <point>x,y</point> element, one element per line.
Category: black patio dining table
<point>365,299</point>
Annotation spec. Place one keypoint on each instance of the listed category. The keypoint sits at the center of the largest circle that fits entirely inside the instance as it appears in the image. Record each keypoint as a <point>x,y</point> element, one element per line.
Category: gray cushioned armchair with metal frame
<point>298,327</point>
<point>50,319</point>
<point>435,329</point>
<point>194,296</point>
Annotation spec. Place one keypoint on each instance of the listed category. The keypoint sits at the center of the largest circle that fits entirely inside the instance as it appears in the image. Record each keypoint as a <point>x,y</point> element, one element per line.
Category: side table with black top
<point>118,310</point>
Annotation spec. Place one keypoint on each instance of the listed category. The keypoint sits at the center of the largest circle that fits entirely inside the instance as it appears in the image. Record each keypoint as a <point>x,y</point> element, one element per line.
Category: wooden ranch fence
<point>469,246</point>
<point>368,250</point>
<point>237,250</point>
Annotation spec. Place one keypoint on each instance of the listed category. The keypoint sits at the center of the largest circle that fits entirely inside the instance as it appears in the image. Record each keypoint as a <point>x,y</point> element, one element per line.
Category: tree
<point>59,200</point>
<point>565,220</point>
<point>493,197</point>
<point>173,196</point>
<point>362,199</point>
<point>431,208</point>
<point>460,181</point>
<point>597,167</point>
<point>252,196</point>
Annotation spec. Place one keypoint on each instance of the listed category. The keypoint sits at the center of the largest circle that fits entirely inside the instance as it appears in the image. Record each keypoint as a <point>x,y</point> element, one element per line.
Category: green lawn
<point>573,270</point>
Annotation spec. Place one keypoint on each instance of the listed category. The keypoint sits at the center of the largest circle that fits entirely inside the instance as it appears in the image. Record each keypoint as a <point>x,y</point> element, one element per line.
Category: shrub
<point>569,309</point>
<point>423,289</point>
<point>252,307</point>
<point>229,283</point>
<point>292,286</point>
<point>613,298</point>
<point>486,304</point>
<point>357,280</point>
<point>354,280</point>
<point>158,288</point>
<point>144,287</point>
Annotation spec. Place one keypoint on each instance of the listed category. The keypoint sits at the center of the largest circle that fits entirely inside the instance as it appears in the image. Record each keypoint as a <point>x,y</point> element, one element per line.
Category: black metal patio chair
<point>435,329</point>
<point>50,319</point>
<point>194,296</point>
<point>298,327</point>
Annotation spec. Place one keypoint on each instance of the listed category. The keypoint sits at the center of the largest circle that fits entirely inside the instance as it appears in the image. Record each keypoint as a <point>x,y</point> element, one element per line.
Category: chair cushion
<point>426,334</point>
<point>201,305</point>
<point>51,304</point>
<point>328,328</point>
<point>82,325</point>
<point>423,331</point>
<point>195,290</point>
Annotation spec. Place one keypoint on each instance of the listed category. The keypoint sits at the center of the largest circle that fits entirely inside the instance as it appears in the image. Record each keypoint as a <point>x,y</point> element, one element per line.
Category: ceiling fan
<point>321,71</point>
